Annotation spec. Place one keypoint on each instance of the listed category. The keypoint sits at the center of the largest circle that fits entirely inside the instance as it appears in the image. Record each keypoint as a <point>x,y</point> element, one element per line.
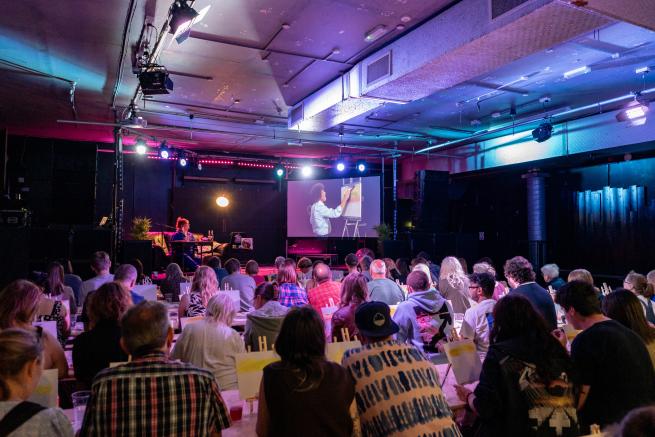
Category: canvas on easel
<point>353,209</point>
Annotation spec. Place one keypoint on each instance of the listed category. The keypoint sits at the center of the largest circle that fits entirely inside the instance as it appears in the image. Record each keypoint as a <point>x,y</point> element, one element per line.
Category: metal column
<point>395,197</point>
<point>118,196</point>
<point>536,211</point>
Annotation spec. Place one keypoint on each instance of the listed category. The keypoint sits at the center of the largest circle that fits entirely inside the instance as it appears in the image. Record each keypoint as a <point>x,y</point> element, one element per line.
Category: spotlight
<point>182,159</point>
<point>306,171</point>
<point>635,112</point>
<point>154,80</point>
<point>140,146</point>
<point>361,166</point>
<point>543,132</point>
<point>340,166</point>
<point>183,17</point>
<point>279,171</point>
<point>164,153</point>
<point>222,201</point>
<point>199,166</point>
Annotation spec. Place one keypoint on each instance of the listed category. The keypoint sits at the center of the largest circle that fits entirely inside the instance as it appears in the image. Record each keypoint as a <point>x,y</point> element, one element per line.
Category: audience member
<point>305,267</point>
<point>453,284</point>
<point>20,369</point>
<point>403,269</point>
<point>580,275</point>
<point>266,319</point>
<point>215,263</point>
<point>638,284</point>
<point>550,273</point>
<point>55,287</point>
<point>478,319</point>
<point>171,285</point>
<point>624,307</point>
<point>392,270</point>
<point>327,292</point>
<point>381,288</point>
<point>613,368</point>
<point>252,270</point>
<point>304,393</point>
<point>420,411</point>
<point>19,302</point>
<point>100,264</point>
<point>650,277</point>
<point>175,397</point>
<point>279,262</point>
<point>141,277</point>
<point>365,266</point>
<point>96,348</point>
<point>127,275</point>
<point>235,280</point>
<point>464,264</point>
<point>500,289</point>
<point>72,280</point>
<point>203,287</point>
<point>435,269</point>
<point>211,343</point>
<point>524,387</point>
<point>351,262</point>
<point>53,310</point>
<point>421,267</point>
<point>364,251</point>
<point>424,318</point>
<point>639,422</point>
<point>520,277</point>
<point>290,294</point>
<point>354,292</point>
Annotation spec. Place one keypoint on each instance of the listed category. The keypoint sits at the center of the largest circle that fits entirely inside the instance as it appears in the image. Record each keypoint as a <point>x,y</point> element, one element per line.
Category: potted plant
<point>140,228</point>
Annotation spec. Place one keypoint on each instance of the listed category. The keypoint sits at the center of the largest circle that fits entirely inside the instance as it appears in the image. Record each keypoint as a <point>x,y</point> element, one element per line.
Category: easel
<point>351,222</point>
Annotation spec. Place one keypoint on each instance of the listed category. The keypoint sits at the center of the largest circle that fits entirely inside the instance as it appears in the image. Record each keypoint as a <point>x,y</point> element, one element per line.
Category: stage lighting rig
<point>140,146</point>
<point>154,80</point>
<point>361,166</point>
<point>634,112</point>
<point>543,132</point>
<point>306,171</point>
<point>340,167</point>
<point>164,152</point>
<point>279,171</point>
<point>182,159</point>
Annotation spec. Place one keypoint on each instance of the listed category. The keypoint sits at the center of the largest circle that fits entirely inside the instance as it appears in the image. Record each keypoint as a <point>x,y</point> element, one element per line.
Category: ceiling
<point>248,61</point>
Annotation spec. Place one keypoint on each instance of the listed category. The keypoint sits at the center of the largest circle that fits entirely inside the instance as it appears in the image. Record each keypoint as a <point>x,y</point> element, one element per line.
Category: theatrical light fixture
<point>340,166</point>
<point>543,132</point>
<point>183,17</point>
<point>222,201</point>
<point>361,166</point>
<point>635,112</point>
<point>577,72</point>
<point>164,153</point>
<point>182,159</point>
<point>279,171</point>
<point>199,166</point>
<point>306,171</point>
<point>140,146</point>
<point>154,80</point>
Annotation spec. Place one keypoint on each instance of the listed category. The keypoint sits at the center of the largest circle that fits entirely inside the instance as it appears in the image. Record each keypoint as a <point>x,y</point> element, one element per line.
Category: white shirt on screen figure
<point>320,214</point>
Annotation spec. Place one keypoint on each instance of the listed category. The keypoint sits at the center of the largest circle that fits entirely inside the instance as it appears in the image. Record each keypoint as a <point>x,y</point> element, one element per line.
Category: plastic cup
<point>80,399</point>
<point>236,412</point>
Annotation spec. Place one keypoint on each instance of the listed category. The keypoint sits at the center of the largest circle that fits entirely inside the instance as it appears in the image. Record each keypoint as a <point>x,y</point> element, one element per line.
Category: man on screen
<point>320,214</point>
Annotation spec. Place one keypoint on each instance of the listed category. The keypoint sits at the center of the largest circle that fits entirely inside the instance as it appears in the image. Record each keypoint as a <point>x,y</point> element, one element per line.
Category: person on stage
<point>320,214</point>
<point>182,225</point>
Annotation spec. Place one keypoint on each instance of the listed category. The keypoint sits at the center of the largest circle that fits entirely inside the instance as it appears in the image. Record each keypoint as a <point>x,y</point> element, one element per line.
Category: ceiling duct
<point>638,12</point>
<point>468,40</point>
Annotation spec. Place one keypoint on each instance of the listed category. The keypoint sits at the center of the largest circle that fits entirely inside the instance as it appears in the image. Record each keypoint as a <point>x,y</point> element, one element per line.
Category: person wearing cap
<point>385,404</point>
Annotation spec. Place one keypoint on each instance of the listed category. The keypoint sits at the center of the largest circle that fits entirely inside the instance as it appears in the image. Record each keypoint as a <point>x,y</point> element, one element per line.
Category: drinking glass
<point>80,399</point>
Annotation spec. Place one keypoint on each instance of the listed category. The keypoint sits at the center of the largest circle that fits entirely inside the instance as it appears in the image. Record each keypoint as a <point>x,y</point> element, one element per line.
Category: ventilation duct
<point>470,39</point>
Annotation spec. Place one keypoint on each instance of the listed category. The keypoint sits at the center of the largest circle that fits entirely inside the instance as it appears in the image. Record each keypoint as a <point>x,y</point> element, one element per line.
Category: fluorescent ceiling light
<point>642,70</point>
<point>577,72</point>
<point>375,33</point>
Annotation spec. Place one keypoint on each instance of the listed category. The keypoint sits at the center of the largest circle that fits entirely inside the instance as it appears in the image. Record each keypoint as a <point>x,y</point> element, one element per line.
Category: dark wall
<point>495,204</point>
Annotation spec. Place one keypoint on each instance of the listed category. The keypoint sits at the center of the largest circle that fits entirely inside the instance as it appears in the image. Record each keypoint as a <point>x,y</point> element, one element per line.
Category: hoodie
<point>424,319</point>
<point>264,322</point>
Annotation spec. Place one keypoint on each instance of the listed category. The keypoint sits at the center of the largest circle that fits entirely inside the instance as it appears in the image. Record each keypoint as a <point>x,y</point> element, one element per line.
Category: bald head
<point>322,272</point>
<point>378,269</point>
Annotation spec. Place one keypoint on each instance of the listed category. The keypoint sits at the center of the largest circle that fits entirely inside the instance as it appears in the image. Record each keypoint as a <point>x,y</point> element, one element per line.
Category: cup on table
<point>236,412</point>
<point>80,399</point>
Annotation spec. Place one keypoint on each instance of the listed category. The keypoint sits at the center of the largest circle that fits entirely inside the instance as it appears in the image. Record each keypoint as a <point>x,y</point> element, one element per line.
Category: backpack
<point>551,409</point>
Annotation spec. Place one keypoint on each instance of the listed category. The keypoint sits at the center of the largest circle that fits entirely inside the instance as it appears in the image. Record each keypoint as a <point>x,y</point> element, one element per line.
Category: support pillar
<point>118,196</point>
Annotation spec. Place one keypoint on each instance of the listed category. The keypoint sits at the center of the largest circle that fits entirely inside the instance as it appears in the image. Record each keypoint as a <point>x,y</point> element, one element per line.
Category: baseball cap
<point>373,319</point>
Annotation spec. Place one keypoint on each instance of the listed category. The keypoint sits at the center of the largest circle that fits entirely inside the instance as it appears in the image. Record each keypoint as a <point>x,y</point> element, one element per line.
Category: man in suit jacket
<point>520,277</point>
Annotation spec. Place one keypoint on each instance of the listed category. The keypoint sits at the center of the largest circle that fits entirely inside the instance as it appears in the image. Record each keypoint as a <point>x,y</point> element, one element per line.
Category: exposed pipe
<point>126,31</point>
<point>532,120</point>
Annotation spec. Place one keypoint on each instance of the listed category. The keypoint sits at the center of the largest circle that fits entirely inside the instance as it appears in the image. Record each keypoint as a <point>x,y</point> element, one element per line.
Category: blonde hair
<point>484,267</point>
<point>221,309</point>
<point>17,348</point>
<point>581,275</point>
<point>452,271</point>
<point>205,283</point>
<point>18,303</point>
<point>640,284</point>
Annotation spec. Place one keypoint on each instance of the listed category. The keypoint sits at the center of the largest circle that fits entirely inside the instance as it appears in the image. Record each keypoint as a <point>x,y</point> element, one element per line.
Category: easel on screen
<point>352,212</point>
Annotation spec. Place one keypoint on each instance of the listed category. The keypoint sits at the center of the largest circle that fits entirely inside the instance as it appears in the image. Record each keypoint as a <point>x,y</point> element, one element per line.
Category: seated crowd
<point>537,378</point>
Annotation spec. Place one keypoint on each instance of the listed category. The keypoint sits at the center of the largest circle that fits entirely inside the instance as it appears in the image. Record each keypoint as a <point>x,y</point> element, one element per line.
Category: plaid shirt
<point>319,296</point>
<point>292,295</point>
<point>156,397</point>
